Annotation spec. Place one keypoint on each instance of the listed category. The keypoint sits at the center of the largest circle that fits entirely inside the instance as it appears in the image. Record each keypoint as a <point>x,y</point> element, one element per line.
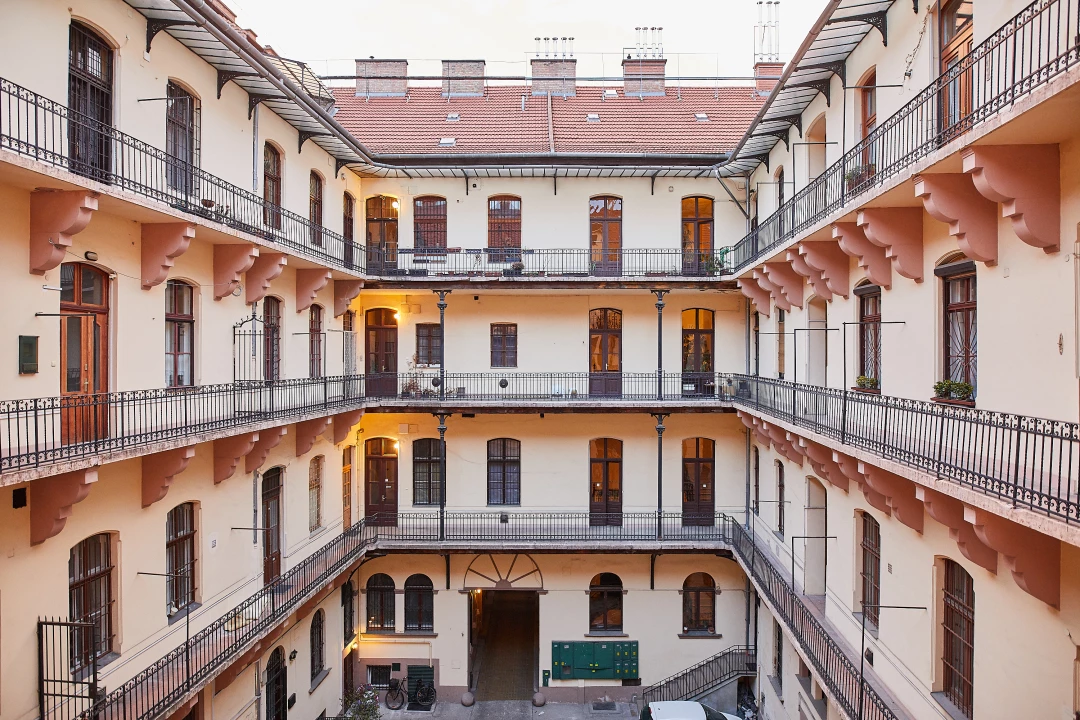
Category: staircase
<point>699,679</point>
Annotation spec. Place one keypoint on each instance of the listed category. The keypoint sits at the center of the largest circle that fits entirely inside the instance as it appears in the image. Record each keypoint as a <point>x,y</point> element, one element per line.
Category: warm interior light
<point>395,204</point>
<point>397,315</point>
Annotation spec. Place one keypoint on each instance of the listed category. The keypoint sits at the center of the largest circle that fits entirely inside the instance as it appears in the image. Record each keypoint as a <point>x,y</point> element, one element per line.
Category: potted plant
<point>954,392</point>
<point>361,703</point>
<point>857,175</point>
<point>866,383</point>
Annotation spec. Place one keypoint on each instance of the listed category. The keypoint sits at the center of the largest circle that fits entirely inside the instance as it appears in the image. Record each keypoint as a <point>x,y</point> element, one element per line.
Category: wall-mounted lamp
<point>90,255</point>
<point>292,656</point>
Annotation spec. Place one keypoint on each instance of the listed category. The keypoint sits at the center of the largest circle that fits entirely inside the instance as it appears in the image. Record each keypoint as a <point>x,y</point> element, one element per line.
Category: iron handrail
<point>701,677</point>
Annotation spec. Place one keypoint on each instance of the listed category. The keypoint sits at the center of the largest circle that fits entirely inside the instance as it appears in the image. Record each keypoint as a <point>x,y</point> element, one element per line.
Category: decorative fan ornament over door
<point>503,572</point>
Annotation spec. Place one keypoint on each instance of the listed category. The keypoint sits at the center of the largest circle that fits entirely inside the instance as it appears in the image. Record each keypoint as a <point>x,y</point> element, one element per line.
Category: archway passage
<point>505,646</point>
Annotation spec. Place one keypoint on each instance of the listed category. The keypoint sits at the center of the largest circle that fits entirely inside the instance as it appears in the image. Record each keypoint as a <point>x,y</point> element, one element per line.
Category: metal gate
<point>67,669</point>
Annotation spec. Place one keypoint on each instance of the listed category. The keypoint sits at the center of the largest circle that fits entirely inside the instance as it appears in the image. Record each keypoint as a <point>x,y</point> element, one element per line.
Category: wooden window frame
<point>695,618</point>
<point>316,336</point>
<point>604,599</point>
<point>271,322</point>
<point>429,224</point>
<point>380,604</point>
<point>348,611</point>
<point>180,585</point>
<point>504,228</point>
<point>504,345</point>
<point>318,643</point>
<point>781,491</point>
<point>315,488</point>
<point>273,173</point>
<point>315,207</point>
<point>427,469</point>
<point>870,572</point>
<point>181,137</point>
<point>94,591</point>
<point>174,322</point>
<point>869,331</point>
<point>958,636</point>
<point>346,486</point>
<point>419,604</point>
<point>429,344</point>
<point>504,471</point>
<point>964,308</point>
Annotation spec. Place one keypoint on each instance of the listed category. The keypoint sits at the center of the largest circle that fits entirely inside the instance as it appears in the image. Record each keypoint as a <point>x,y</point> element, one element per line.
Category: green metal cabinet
<point>572,660</point>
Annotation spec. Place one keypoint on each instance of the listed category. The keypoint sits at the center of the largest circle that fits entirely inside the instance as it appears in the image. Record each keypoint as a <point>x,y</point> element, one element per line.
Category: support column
<point>442,470</point>
<point>660,342</point>
<point>660,417</point>
<point>442,350</point>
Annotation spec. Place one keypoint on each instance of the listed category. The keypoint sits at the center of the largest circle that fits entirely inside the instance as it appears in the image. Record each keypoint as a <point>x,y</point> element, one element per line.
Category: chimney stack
<point>554,72</point>
<point>473,69</point>
<point>767,65</point>
<point>381,78</point>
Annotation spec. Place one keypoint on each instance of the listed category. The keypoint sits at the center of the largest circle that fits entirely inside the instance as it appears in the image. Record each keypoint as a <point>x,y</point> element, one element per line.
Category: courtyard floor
<point>511,710</point>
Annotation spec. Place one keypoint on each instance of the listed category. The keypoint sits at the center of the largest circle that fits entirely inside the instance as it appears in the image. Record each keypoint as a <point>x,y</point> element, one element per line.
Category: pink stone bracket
<point>268,440</point>
<point>230,262</point>
<point>266,268</point>
<point>953,199</point>
<point>51,499</point>
<point>227,454</point>
<point>159,469</point>
<point>54,217</point>
<point>308,431</point>
<point>899,231</point>
<point>308,284</point>
<point>344,292</point>
<point>748,286</point>
<point>1026,180</point>
<point>853,241</point>
<point>161,244</point>
<point>343,424</point>
<point>791,284</point>
<point>827,258</point>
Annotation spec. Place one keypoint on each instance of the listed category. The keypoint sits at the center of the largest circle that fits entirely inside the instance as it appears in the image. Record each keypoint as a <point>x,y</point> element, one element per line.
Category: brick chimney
<point>643,75</point>
<point>554,76</point>
<point>381,78</point>
<point>766,75</point>
<point>464,69</point>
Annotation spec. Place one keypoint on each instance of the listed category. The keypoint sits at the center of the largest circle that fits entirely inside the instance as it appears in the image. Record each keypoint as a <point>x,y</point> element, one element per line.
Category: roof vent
<point>611,93</point>
<point>701,117</point>
<point>592,117</point>
<point>453,117</point>
<point>447,142</point>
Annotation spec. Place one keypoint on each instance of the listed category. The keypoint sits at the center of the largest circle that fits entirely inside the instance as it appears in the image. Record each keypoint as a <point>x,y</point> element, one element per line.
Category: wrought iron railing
<point>1033,47</point>
<point>1027,461</point>
<point>701,677</point>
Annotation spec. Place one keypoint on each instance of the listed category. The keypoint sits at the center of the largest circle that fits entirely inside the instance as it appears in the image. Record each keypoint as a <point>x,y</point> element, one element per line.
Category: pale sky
<point>700,37</point>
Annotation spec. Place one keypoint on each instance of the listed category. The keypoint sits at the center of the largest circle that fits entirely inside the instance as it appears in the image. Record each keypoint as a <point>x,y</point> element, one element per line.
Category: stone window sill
<point>607,634</point>
<point>700,636</point>
<point>317,680</point>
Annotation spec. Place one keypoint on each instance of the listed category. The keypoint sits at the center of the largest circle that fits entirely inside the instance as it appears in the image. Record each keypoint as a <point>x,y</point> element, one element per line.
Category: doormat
<point>603,706</point>
<point>415,706</point>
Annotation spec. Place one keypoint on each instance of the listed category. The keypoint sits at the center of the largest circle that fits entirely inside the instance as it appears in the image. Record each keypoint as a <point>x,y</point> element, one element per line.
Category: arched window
<point>316,339</point>
<point>348,227</point>
<point>427,471</point>
<point>382,233</point>
<point>315,205</point>
<point>869,334</point>
<point>697,236</point>
<point>91,598</point>
<point>315,473</point>
<point>699,470</point>
<point>272,186</point>
<point>90,84</point>
<point>419,601</point>
<point>780,489</point>
<point>179,334</point>
<point>699,604</point>
<point>504,228</point>
<point>605,603</point>
<point>870,567</point>
<point>380,603</point>
<point>277,688</point>
<point>959,342</point>
<point>605,234</point>
<point>504,471</point>
<point>318,643</point>
<point>271,338</point>
<point>429,223</point>
<point>348,611</point>
<point>180,557</point>
<point>181,137</point>
<point>958,622</point>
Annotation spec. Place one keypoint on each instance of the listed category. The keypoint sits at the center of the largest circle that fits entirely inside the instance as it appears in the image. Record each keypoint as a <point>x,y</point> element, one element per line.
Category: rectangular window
<point>315,341</point>
<point>958,623</point>
<point>181,137</point>
<point>870,333</point>
<point>180,557</point>
<point>429,223</point>
<point>871,568</point>
<point>315,201</point>
<point>91,598</point>
<point>429,344</point>
<point>780,490</point>
<point>315,493</point>
<point>504,345</point>
<point>781,344</point>
<point>504,228</point>
<point>961,353</point>
<point>379,676</point>
<point>778,656</point>
<point>504,472</point>
<point>179,334</point>
<point>427,471</point>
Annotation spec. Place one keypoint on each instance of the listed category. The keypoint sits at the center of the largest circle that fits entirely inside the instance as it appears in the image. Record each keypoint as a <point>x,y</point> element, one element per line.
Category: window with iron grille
<point>419,599</point>
<point>181,137</point>
<point>429,344</point>
<point>277,686</point>
<point>315,341</point>
<point>870,332</point>
<point>91,598</point>
<point>780,497</point>
<point>871,567</point>
<point>272,186</point>
<point>504,228</point>
<point>504,471</point>
<point>318,643</point>
<point>315,201</point>
<point>348,227</point>
<point>180,557</point>
<point>958,623</point>
<point>315,470</point>
<point>90,81</point>
<point>778,655</point>
<point>960,344</point>
<point>271,338</point>
<point>179,334</point>
<point>429,222</point>
<point>427,471</point>
<point>380,603</point>
<point>757,481</point>
<point>504,344</point>
<point>379,676</point>
<point>348,611</point>
<point>605,603</point>
<point>781,344</point>
<point>699,604</point>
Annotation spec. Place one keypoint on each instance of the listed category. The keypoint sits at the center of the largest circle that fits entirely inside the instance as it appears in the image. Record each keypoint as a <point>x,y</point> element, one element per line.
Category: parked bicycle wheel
<point>397,694</point>
<point>425,694</point>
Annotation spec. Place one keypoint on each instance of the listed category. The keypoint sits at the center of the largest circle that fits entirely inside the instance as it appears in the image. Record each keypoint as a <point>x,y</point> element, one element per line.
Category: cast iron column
<point>660,473</point>
<point>442,341</point>
<point>660,342</point>
<point>442,472</point>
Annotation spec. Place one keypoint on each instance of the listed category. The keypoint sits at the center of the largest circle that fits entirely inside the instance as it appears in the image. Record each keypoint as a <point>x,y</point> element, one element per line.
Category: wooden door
<point>271,524</point>
<point>382,235</point>
<point>699,470</point>
<point>605,352</point>
<point>605,482</point>
<point>697,236</point>
<point>605,235</point>
<point>697,352</point>
<point>380,482</point>
<point>84,351</point>
<point>956,41</point>
<point>346,487</point>
<point>381,348</point>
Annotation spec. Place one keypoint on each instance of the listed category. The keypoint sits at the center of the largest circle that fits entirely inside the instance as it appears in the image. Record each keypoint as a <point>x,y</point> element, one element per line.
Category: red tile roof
<point>496,123</point>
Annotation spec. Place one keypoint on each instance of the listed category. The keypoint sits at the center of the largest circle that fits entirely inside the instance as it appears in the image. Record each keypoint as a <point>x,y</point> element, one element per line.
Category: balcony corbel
<point>51,499</point>
<point>749,287</point>
<point>821,459</point>
<point>268,440</point>
<point>953,199</point>
<point>344,423</point>
<point>899,493</point>
<point>773,289</point>
<point>266,268</point>
<point>849,466</point>
<point>344,292</point>
<point>308,284</point>
<point>230,262</point>
<point>1026,180</point>
<point>161,244</point>
<point>798,264</point>
<point>826,257</point>
<point>852,240</point>
<point>899,230</point>
<point>791,284</point>
<point>781,443</point>
<point>54,217</point>
<point>950,512</point>
<point>751,424</point>
<point>307,432</point>
<point>158,471</point>
<point>227,454</point>
<point>1033,558</point>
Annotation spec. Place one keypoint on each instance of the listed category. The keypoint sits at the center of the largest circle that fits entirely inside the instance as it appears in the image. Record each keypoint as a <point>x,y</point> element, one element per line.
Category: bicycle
<point>398,693</point>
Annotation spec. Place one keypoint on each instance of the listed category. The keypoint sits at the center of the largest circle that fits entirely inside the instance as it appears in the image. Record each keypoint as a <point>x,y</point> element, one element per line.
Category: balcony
<point>1034,47</point>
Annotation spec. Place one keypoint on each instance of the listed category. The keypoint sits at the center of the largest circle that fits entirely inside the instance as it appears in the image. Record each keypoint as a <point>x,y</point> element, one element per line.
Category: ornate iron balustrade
<point>1027,461</point>
<point>687,684</point>
<point>1033,47</point>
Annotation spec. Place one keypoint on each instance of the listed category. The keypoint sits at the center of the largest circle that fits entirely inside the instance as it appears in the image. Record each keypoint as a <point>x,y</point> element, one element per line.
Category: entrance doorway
<point>605,235</point>
<point>605,481</point>
<point>381,353</point>
<point>271,523</point>
<point>380,481</point>
<point>504,643</point>
<point>84,333</point>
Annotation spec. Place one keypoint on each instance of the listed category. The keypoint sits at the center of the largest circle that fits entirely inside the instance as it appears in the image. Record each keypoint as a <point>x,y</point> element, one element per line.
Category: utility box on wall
<point>576,660</point>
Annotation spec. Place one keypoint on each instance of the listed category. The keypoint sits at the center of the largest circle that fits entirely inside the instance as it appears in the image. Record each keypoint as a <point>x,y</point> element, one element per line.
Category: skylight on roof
<point>701,117</point>
<point>592,117</point>
<point>447,142</point>
<point>453,117</point>
<point>611,92</point>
